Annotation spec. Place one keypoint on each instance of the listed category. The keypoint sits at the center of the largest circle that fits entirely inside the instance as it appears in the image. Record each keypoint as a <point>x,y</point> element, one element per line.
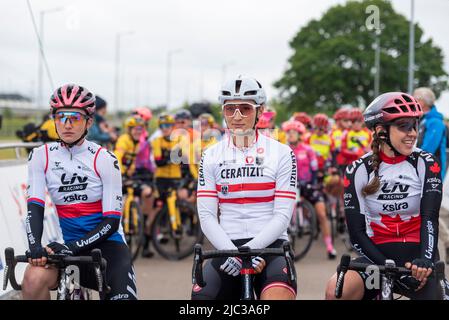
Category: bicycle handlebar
<point>60,261</point>
<point>389,267</point>
<point>241,252</point>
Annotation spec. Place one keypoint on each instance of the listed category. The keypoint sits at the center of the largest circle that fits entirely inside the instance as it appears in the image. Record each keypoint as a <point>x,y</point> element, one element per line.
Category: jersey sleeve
<point>429,172</point>
<point>284,201</point>
<point>356,177</point>
<point>37,166</point>
<point>207,203</point>
<point>109,171</point>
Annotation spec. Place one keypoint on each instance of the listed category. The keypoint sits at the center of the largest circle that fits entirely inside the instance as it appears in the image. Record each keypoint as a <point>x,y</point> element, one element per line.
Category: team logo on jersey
<point>54,148</point>
<point>346,182</point>
<point>435,168</point>
<point>76,183</point>
<point>260,150</point>
<point>91,150</point>
<point>396,192</point>
<point>259,161</point>
<point>57,167</point>
<point>30,156</point>
<point>224,189</point>
<point>249,160</point>
<point>76,197</point>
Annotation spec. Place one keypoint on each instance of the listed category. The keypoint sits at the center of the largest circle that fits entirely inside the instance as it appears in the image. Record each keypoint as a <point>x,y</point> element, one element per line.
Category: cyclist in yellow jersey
<point>342,123</point>
<point>127,145</point>
<point>126,150</point>
<point>321,141</point>
<point>356,142</point>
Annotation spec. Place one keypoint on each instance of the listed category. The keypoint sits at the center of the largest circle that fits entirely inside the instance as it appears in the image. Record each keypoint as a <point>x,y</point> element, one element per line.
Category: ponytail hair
<point>374,185</point>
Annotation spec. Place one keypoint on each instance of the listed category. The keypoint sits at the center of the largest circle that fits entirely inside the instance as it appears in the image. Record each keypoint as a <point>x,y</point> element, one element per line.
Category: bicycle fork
<point>173,212</point>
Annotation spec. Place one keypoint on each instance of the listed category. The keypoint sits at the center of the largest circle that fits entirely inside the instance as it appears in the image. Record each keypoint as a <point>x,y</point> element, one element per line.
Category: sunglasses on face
<point>75,118</point>
<point>245,109</point>
<point>166,125</point>
<point>406,126</point>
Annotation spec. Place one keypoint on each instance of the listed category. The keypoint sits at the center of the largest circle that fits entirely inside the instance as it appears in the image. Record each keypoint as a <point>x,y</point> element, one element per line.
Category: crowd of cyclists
<point>243,178</point>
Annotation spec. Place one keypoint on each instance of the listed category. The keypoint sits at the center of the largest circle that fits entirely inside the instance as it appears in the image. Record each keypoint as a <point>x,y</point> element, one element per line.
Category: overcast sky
<point>247,37</point>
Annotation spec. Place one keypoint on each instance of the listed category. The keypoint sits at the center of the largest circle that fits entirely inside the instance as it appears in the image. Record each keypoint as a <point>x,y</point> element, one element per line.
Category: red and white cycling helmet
<point>320,120</point>
<point>303,118</point>
<point>355,114</point>
<point>73,96</point>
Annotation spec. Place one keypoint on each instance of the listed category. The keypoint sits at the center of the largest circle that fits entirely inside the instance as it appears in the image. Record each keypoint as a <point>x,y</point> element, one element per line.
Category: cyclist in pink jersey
<point>145,169</point>
<point>307,177</point>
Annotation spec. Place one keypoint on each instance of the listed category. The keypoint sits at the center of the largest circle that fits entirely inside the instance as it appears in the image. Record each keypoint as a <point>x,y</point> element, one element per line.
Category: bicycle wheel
<point>302,229</point>
<point>176,245</point>
<point>134,237</point>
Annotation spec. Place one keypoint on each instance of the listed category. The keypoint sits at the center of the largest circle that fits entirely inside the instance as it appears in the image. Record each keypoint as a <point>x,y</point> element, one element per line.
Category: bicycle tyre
<point>301,231</point>
<point>161,228</point>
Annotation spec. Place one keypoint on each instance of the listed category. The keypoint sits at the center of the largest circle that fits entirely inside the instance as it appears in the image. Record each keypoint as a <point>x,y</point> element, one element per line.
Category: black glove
<point>36,253</point>
<point>423,263</point>
<point>61,248</point>
<point>408,283</point>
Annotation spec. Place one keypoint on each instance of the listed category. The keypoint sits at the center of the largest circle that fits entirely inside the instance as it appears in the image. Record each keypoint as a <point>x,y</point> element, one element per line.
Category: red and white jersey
<point>254,188</point>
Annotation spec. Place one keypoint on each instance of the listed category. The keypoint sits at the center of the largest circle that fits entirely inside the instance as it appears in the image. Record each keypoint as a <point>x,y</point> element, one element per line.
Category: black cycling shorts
<point>401,253</point>
<point>221,286</point>
<point>312,195</point>
<point>120,275</point>
<point>164,185</point>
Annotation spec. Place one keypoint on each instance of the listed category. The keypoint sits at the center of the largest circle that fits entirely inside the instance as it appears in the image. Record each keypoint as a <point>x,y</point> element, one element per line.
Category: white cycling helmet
<point>242,89</point>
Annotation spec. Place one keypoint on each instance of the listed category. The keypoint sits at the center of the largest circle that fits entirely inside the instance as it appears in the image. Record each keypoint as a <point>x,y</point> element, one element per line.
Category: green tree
<point>333,59</point>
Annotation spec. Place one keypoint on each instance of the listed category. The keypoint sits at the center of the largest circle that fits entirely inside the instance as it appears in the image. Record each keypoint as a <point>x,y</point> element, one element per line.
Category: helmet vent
<point>406,98</point>
<point>413,107</point>
<point>391,110</point>
<point>260,86</point>
<point>403,108</point>
<point>226,93</point>
<point>250,93</point>
<point>238,83</point>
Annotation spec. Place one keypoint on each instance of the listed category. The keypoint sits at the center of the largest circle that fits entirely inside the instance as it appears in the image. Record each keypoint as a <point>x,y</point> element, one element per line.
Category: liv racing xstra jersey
<point>85,184</point>
<point>405,209</point>
<point>254,188</point>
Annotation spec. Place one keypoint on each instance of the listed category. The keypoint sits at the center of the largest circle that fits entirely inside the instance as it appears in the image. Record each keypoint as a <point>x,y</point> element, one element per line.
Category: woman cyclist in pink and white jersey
<point>307,177</point>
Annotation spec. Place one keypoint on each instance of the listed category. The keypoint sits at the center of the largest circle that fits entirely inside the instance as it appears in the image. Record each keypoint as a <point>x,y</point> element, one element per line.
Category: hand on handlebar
<point>232,266</point>
<point>37,256</point>
<point>421,270</point>
<point>258,264</point>
<point>60,248</point>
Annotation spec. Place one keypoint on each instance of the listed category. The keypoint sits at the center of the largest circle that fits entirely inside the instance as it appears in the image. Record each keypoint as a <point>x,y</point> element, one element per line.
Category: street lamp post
<point>377,64</point>
<point>224,69</point>
<point>117,67</point>
<point>168,84</point>
<point>411,55</point>
<point>40,70</point>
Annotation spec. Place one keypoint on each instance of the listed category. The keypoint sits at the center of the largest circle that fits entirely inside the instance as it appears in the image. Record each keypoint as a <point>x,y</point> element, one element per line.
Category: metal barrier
<point>19,145</point>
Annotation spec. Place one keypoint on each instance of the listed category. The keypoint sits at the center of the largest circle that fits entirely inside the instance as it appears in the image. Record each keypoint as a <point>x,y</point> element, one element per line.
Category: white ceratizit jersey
<point>254,189</point>
<point>84,182</point>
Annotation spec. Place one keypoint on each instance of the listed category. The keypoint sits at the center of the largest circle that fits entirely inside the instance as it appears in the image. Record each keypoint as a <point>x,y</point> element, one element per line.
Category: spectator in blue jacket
<point>101,132</point>
<point>432,130</point>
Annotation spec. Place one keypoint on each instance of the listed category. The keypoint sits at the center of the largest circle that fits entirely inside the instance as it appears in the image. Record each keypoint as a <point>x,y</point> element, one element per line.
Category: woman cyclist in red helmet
<point>393,200</point>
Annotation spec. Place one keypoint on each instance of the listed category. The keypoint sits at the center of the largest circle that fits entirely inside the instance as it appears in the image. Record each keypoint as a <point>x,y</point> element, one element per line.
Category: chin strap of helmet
<point>385,137</point>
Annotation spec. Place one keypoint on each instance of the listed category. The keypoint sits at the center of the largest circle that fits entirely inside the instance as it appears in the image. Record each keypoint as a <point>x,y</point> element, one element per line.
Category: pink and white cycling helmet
<point>144,113</point>
<point>294,125</point>
<point>73,96</point>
